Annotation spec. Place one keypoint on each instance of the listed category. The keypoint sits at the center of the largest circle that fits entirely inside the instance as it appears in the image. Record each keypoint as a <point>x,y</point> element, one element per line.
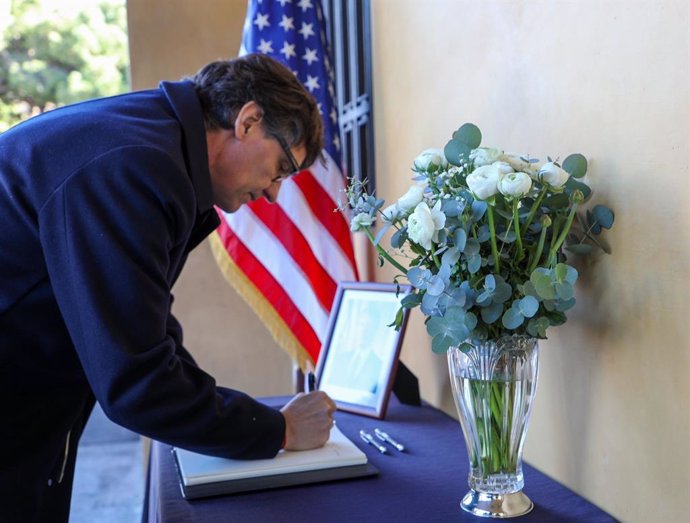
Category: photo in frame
<point>359,357</point>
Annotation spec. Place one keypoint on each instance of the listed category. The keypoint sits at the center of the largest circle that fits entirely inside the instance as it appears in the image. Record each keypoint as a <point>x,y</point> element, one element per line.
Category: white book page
<point>339,451</point>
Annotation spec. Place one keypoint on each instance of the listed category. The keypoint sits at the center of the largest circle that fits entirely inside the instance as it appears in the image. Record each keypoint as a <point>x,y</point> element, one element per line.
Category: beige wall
<point>608,79</point>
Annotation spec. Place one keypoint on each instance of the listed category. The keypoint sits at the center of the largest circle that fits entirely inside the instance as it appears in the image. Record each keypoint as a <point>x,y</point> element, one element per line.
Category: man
<point>100,203</point>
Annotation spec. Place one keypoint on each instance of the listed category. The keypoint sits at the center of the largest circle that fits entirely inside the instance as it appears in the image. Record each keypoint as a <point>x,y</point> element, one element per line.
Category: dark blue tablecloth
<point>423,484</point>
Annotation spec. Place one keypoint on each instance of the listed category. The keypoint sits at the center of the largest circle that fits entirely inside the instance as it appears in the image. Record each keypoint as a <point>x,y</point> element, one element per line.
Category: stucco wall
<point>606,78</point>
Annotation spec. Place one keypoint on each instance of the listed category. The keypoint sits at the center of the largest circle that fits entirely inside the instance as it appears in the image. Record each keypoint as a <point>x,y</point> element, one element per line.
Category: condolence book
<point>203,476</point>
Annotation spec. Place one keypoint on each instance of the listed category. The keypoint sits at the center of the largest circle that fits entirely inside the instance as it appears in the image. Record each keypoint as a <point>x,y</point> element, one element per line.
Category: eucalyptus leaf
<point>541,279</point>
<point>453,298</point>
<point>469,134</point>
<point>470,320</point>
<point>448,330</point>
<point>411,300</point>
<point>451,256</point>
<point>592,223</point>
<point>451,208</point>
<point>528,306</point>
<point>579,248</point>
<point>483,234</point>
<point>537,327</point>
<point>512,318</point>
<point>564,305</point>
<point>573,185</point>
<point>492,313</point>
<point>557,201</point>
<point>503,290</point>
<point>435,285</point>
<point>603,215</point>
<point>484,299</point>
<point>474,263</point>
<point>456,152</point>
<point>478,210</point>
<point>398,239</point>
<point>460,239</point>
<point>505,213</point>
<point>418,277</point>
<point>507,236</point>
<point>429,305</point>
<point>565,272</point>
<point>471,247</point>
<point>575,165</point>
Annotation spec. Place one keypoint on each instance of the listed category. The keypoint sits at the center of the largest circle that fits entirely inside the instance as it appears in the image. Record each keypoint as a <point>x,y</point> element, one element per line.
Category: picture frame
<point>359,357</point>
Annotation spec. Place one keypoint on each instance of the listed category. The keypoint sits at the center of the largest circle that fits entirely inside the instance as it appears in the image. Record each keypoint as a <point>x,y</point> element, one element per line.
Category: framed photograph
<point>359,357</point>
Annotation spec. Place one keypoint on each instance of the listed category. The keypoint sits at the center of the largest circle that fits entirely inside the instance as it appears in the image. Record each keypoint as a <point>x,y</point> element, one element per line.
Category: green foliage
<point>484,235</point>
<point>52,58</point>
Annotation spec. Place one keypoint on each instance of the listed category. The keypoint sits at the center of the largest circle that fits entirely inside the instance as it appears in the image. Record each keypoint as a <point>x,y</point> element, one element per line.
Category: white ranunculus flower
<point>428,157</point>
<point>412,197</point>
<point>484,156</point>
<point>360,222</point>
<point>515,185</point>
<point>483,182</point>
<point>553,175</point>
<point>424,223</point>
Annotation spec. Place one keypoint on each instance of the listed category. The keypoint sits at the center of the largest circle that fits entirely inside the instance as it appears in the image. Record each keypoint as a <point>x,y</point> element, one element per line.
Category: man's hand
<point>308,420</point>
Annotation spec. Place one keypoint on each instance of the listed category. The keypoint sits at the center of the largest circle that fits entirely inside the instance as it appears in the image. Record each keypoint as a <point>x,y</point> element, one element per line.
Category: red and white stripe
<point>295,252</point>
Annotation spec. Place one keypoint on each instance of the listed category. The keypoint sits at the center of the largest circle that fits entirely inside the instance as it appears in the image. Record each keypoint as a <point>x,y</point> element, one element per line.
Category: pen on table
<point>383,436</point>
<point>368,438</point>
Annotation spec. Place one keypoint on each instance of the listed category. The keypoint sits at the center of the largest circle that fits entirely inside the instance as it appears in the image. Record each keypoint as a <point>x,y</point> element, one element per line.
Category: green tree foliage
<point>52,57</point>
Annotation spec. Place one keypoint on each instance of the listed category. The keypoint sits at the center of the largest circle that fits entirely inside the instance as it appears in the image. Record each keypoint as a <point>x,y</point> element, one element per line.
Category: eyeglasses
<point>293,161</point>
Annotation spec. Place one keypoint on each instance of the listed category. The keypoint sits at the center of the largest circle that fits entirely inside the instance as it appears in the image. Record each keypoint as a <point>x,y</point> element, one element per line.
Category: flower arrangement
<point>484,234</point>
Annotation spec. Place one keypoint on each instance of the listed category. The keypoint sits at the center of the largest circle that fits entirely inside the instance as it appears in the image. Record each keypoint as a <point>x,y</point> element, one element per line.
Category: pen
<point>371,441</point>
<point>309,378</point>
<point>311,382</point>
<point>385,437</point>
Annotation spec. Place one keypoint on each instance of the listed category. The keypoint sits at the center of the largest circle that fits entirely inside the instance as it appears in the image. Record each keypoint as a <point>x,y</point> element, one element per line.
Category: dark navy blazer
<point>100,202</point>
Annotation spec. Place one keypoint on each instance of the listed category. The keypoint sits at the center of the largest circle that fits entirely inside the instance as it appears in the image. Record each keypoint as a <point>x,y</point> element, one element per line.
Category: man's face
<point>247,163</point>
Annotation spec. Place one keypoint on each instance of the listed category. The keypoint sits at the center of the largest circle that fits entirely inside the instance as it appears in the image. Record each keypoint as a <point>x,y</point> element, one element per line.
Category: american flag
<point>286,259</point>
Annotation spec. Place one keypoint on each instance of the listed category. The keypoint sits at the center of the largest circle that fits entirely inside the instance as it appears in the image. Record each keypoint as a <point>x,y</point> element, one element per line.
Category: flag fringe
<point>279,330</point>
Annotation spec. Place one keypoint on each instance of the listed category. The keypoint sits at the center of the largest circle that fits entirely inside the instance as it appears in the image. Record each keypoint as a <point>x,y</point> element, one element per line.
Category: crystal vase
<point>493,384</point>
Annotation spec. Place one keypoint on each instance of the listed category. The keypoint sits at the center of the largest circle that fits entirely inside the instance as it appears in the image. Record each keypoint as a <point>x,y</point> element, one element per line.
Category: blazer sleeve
<point>114,235</point>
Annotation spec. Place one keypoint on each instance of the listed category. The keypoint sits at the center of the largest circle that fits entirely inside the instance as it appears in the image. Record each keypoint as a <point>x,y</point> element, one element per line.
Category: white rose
<point>515,185</point>
<point>424,223</point>
<point>361,222</point>
<point>553,175</point>
<point>484,156</point>
<point>412,197</point>
<point>483,182</point>
<point>430,157</point>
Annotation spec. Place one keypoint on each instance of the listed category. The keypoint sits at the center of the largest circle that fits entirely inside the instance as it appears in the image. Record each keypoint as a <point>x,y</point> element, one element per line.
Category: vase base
<point>488,505</point>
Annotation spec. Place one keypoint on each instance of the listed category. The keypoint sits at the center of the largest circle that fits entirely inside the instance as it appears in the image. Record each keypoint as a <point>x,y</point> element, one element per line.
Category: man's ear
<point>247,118</point>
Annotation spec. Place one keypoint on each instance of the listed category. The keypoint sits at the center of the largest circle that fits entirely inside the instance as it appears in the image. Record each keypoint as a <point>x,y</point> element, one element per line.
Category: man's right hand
<point>308,420</point>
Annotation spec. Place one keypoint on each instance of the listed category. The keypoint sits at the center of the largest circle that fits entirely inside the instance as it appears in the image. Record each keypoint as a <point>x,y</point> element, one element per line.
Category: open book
<point>202,476</point>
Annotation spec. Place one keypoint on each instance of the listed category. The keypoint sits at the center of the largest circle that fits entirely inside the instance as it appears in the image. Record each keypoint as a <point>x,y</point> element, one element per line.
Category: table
<point>423,484</point>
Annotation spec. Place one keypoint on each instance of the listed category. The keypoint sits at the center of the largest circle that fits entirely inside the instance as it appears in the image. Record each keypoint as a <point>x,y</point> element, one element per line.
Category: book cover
<point>202,476</point>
